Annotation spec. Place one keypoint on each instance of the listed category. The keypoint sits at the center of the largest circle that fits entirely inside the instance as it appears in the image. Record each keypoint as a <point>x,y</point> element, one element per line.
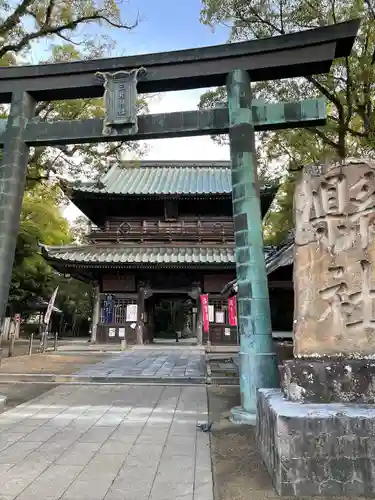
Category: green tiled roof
<point>163,178</point>
<point>121,254</point>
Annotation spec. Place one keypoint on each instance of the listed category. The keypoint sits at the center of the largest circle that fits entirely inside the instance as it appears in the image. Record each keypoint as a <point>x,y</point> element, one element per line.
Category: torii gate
<point>234,65</point>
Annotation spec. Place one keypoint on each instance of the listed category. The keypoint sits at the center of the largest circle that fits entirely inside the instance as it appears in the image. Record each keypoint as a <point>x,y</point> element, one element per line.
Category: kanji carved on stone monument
<point>120,98</point>
<point>334,260</point>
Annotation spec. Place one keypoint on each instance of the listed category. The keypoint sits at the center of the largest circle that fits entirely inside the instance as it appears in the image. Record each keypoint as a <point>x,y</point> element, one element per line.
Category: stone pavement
<point>107,442</point>
<point>151,363</point>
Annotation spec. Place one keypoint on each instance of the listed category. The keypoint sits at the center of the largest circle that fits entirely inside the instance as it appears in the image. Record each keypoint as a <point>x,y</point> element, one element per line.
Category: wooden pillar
<point>195,295</point>
<point>140,314</point>
<point>95,314</point>
<point>150,309</point>
<point>199,330</point>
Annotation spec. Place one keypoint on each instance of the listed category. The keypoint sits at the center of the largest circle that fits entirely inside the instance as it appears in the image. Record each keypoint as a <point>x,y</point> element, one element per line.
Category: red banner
<point>232,310</point>
<point>205,320</point>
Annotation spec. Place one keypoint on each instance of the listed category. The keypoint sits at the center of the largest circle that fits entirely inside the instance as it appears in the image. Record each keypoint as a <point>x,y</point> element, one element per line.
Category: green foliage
<point>79,161</point>
<point>80,229</point>
<point>349,88</point>
<point>279,220</point>
<point>32,278</point>
<point>41,221</point>
<point>23,22</point>
<point>65,31</point>
<point>74,298</point>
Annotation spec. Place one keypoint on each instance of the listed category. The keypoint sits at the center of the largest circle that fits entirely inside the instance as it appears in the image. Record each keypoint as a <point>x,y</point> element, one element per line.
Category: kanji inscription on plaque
<point>120,100</point>
<point>334,260</point>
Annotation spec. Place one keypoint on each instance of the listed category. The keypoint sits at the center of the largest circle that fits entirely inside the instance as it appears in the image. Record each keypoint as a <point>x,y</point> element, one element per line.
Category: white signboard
<point>131,312</point>
<point>112,332</point>
<point>227,332</point>
<point>219,317</point>
<point>211,314</point>
<point>121,333</point>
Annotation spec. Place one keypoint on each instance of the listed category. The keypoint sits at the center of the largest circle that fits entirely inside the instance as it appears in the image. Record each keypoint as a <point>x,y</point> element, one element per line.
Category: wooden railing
<point>218,229</point>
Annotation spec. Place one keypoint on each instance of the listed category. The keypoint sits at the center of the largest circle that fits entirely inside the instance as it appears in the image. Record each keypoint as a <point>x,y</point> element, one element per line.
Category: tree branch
<point>49,12</point>
<point>266,22</point>
<point>349,93</point>
<point>42,106</point>
<point>281,11</point>
<point>11,21</point>
<point>329,95</point>
<point>57,30</point>
<point>325,139</point>
<point>333,6</point>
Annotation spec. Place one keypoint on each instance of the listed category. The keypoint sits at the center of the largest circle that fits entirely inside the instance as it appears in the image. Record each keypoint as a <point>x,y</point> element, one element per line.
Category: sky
<point>166,25</point>
<point>172,25</point>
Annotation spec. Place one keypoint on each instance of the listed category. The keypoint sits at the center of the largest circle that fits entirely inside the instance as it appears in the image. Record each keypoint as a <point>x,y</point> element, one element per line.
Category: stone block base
<point>328,380</point>
<point>317,449</point>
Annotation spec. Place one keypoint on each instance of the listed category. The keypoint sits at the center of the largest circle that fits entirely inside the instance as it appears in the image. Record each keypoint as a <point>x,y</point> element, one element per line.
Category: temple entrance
<point>171,319</point>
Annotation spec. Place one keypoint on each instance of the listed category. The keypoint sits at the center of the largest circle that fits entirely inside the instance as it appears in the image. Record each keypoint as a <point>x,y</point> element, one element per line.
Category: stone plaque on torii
<point>234,65</point>
<point>120,99</point>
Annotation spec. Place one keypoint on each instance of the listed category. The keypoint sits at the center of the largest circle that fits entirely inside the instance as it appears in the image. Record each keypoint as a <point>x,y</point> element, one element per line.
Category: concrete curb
<point>3,400</point>
<point>224,381</point>
<point>63,379</point>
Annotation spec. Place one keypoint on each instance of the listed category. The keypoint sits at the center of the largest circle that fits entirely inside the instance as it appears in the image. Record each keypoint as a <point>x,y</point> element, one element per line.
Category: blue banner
<point>108,309</point>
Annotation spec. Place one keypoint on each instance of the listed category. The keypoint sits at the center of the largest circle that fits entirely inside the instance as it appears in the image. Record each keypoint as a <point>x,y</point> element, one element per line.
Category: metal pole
<point>45,344</point>
<point>13,171</point>
<point>31,344</point>
<point>55,342</point>
<point>11,344</point>
<point>43,339</point>
<point>258,367</point>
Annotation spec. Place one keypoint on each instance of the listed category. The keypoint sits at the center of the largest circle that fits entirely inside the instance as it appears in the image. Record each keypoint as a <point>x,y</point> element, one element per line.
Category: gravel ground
<point>21,347</point>
<point>49,363</point>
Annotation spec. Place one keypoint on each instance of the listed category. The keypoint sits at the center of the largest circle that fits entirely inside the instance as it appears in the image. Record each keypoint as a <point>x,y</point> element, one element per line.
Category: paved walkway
<point>148,362</point>
<point>107,442</point>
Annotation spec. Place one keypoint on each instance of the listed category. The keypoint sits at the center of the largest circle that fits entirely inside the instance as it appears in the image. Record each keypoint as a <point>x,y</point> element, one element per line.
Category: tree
<point>41,221</point>
<point>72,31</point>
<point>24,23</point>
<point>80,229</point>
<point>32,278</point>
<point>74,298</point>
<point>349,88</point>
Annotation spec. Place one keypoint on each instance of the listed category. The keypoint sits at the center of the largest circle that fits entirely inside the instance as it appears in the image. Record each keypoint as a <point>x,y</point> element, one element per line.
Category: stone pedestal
<point>317,435</point>
<point>316,449</point>
<point>327,380</point>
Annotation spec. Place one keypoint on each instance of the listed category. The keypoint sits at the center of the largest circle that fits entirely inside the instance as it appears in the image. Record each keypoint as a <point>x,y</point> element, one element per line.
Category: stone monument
<point>317,435</point>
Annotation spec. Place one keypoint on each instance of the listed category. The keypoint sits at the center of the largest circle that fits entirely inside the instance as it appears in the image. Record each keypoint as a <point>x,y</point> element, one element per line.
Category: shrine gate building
<point>161,231</point>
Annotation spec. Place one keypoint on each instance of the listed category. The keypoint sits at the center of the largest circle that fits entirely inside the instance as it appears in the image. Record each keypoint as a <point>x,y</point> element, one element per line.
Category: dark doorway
<point>171,317</point>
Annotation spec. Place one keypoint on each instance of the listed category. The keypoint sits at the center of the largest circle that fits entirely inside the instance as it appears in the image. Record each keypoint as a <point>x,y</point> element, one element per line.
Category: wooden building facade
<point>161,230</point>
<point>279,267</point>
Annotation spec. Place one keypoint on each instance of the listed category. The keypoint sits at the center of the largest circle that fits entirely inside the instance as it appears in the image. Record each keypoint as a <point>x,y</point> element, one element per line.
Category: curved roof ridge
<point>175,163</point>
